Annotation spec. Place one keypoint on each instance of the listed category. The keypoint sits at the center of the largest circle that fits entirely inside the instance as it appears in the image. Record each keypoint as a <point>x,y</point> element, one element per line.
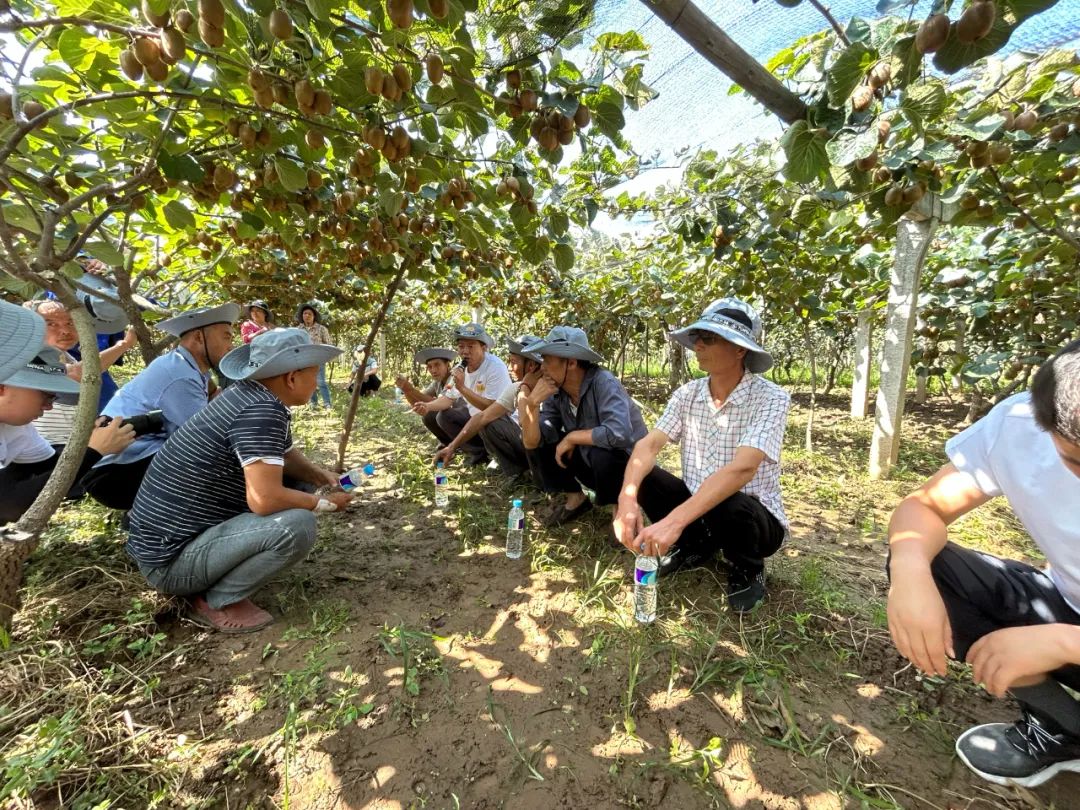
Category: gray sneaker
<point>1023,753</point>
<point>746,590</point>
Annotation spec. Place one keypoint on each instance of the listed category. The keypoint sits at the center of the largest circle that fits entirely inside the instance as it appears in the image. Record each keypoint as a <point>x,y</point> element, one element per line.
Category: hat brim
<point>22,343</point>
<point>757,359</point>
<point>108,315</point>
<point>568,351</point>
<point>65,388</point>
<point>424,355</point>
<point>178,325</point>
<point>236,365</point>
<point>486,339</point>
<point>514,347</point>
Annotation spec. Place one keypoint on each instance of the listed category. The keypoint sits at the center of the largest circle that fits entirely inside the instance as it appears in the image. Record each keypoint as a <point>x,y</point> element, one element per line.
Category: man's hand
<point>327,478</point>
<point>627,522</point>
<point>420,408</point>
<point>74,371</point>
<point>656,540</point>
<point>919,623</point>
<point>1000,659</point>
<point>111,438</point>
<point>339,499</point>
<point>445,455</point>
<point>401,381</point>
<point>131,339</point>
<point>543,389</point>
<point>459,376</point>
<point>563,451</point>
<point>531,379</point>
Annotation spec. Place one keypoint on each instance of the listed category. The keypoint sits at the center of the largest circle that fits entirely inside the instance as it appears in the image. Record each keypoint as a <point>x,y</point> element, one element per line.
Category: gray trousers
<point>502,438</point>
<point>232,560</point>
<point>452,421</point>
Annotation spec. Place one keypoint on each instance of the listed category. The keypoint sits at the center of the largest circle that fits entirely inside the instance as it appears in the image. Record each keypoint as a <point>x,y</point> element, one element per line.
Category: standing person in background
<point>257,319</point>
<point>308,318</point>
<point>437,362</point>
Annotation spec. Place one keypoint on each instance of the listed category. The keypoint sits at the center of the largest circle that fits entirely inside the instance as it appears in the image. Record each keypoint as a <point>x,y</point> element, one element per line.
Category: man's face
<point>715,355</point>
<point>21,406</point>
<point>555,369</point>
<point>1068,452</point>
<point>439,369</point>
<point>472,352</point>
<point>516,364</point>
<point>303,385</point>
<point>59,327</point>
<point>219,341</point>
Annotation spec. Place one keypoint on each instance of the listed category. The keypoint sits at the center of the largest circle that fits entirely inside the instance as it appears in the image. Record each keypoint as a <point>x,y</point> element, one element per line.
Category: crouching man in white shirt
<point>1018,626</point>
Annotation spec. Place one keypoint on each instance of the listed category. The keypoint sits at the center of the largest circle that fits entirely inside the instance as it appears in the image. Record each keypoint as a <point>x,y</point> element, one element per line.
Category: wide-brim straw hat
<point>22,334</point>
<point>198,318</point>
<point>474,331</point>
<point>46,372</point>
<point>433,353</point>
<point>275,352</point>
<point>569,342</point>
<point>522,347</point>
<point>105,310</point>
<point>735,321</point>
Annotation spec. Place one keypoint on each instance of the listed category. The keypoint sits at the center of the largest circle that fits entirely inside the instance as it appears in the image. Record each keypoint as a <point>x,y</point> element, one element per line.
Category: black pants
<point>116,485</point>
<point>431,422</point>
<point>370,385</point>
<point>983,593</point>
<point>502,438</point>
<point>740,526</point>
<point>451,422</point>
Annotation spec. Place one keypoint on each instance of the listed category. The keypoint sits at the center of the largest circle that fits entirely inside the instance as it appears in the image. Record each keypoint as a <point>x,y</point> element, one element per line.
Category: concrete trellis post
<point>913,235</point>
<point>860,384</point>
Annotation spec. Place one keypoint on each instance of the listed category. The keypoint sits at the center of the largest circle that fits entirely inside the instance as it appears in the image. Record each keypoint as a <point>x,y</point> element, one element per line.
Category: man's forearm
<point>580,438</point>
<point>280,498</point>
<point>471,428</point>
<point>917,534</point>
<point>300,467</point>
<point>528,416</point>
<point>474,399</point>
<point>641,462</point>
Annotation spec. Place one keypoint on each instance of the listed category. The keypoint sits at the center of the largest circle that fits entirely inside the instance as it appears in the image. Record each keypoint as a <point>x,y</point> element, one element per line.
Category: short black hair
<point>1055,394</point>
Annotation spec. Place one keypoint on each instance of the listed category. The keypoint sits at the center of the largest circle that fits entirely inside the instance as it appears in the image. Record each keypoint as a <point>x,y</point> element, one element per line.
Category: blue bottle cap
<point>369,469</point>
<point>438,464</point>
<point>517,503</point>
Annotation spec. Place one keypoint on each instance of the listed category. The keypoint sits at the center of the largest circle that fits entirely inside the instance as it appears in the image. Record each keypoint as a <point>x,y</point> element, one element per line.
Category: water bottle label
<point>644,577</point>
<point>516,523</point>
<point>440,479</point>
<point>348,482</point>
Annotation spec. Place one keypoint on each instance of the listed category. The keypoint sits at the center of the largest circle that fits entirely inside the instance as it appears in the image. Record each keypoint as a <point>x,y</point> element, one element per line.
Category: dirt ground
<point>414,665</point>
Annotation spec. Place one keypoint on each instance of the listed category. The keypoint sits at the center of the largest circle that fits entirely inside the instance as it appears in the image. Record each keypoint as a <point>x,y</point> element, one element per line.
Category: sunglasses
<point>708,338</point>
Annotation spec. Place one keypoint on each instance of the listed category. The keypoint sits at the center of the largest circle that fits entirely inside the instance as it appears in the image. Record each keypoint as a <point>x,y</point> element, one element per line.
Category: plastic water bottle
<point>397,395</point>
<point>357,477</point>
<point>442,487</point>
<point>645,589</point>
<point>515,531</point>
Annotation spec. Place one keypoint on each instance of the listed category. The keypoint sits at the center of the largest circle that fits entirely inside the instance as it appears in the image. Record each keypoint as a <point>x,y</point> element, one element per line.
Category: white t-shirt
<point>21,444</point>
<point>489,381</point>
<point>1007,453</point>
<point>508,399</point>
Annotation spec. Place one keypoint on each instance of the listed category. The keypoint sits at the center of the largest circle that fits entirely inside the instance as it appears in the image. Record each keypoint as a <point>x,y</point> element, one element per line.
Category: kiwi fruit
<point>224,177</point>
<point>1058,132</point>
<point>439,8</point>
<point>152,17</point>
<point>146,50</point>
<point>1000,153</point>
<point>281,93</point>
<point>213,36</point>
<point>173,44</point>
<point>513,79</point>
<point>212,12</point>
<point>314,180</point>
<point>400,12</point>
<point>184,19</point>
<point>976,21</point>
<point>862,97</point>
<point>390,89</point>
<point>373,80</point>
<point>1026,120</point>
<point>582,117</point>
<point>314,139</point>
<point>880,75</point>
<point>129,64</point>
<point>158,71</point>
<point>264,137</point>
<point>247,135</point>
<point>403,77</point>
<point>913,192</point>
<point>264,98</point>
<point>30,109</point>
<point>433,64</point>
<point>280,24</point>
<point>882,175</point>
<point>932,34</point>
<point>324,102</point>
<point>894,195</point>
<point>304,92</point>
<point>529,101</point>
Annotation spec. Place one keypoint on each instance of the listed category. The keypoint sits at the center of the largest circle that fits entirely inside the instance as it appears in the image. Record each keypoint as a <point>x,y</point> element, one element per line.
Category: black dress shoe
<point>562,515</point>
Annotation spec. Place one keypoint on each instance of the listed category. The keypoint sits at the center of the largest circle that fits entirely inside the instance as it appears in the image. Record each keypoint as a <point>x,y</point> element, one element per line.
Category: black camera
<point>152,422</point>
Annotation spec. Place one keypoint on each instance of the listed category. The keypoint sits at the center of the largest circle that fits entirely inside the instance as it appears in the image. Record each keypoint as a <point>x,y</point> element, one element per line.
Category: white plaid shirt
<point>754,415</point>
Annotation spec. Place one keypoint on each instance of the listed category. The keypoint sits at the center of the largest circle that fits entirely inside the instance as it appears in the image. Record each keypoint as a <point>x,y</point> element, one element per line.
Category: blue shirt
<point>108,384</point>
<point>197,480</point>
<point>603,407</point>
<point>172,384</point>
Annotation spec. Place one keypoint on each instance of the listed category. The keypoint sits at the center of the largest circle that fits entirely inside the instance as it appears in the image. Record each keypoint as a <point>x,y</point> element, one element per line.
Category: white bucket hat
<point>522,345</point>
<point>433,353</point>
<point>198,318</point>
<point>22,334</point>
<point>566,341</point>
<point>46,372</point>
<point>474,331</point>
<point>735,321</point>
<point>278,351</point>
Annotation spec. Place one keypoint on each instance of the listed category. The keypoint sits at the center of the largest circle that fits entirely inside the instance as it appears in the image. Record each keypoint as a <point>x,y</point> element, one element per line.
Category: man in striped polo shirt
<point>214,520</point>
<point>731,428</point>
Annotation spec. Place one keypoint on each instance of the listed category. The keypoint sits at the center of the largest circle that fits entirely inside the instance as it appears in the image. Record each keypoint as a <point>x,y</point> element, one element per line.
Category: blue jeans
<point>322,387</point>
<point>232,560</point>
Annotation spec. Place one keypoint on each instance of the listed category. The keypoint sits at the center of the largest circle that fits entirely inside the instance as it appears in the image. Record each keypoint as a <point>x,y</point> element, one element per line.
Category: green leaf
<point>847,71</point>
<point>924,102</point>
<point>846,146</point>
<point>104,252</point>
<point>78,48</point>
<point>291,176</point>
<point>320,9</point>
<point>390,201</point>
<point>564,257</point>
<point>805,151</point>
<point>180,167</point>
<point>178,216</point>
<point>608,118</point>
<point>19,216</point>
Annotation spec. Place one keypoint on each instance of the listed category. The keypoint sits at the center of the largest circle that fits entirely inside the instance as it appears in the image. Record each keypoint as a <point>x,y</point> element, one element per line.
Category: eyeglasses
<point>708,338</point>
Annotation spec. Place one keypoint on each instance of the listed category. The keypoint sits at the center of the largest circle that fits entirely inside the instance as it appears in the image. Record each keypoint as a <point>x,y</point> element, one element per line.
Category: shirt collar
<point>189,358</point>
<point>737,395</point>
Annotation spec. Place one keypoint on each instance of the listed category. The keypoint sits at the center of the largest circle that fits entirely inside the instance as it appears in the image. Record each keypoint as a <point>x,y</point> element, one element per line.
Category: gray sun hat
<point>433,353</point>
<point>46,372</point>
<point>22,334</point>
<point>258,304</point>
<point>198,318</point>
<point>521,347</point>
<point>735,321</point>
<point>566,341</point>
<point>474,331</point>
<point>278,351</point>
<point>109,317</point>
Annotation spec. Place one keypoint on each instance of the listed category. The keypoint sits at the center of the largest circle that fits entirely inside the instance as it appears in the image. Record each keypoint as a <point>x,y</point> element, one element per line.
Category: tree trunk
<point>860,383</point>
<point>676,365</point>
<point>813,387</point>
<point>648,379</point>
<point>720,50</point>
<point>956,382</point>
<point>921,385</point>
<point>375,327</point>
